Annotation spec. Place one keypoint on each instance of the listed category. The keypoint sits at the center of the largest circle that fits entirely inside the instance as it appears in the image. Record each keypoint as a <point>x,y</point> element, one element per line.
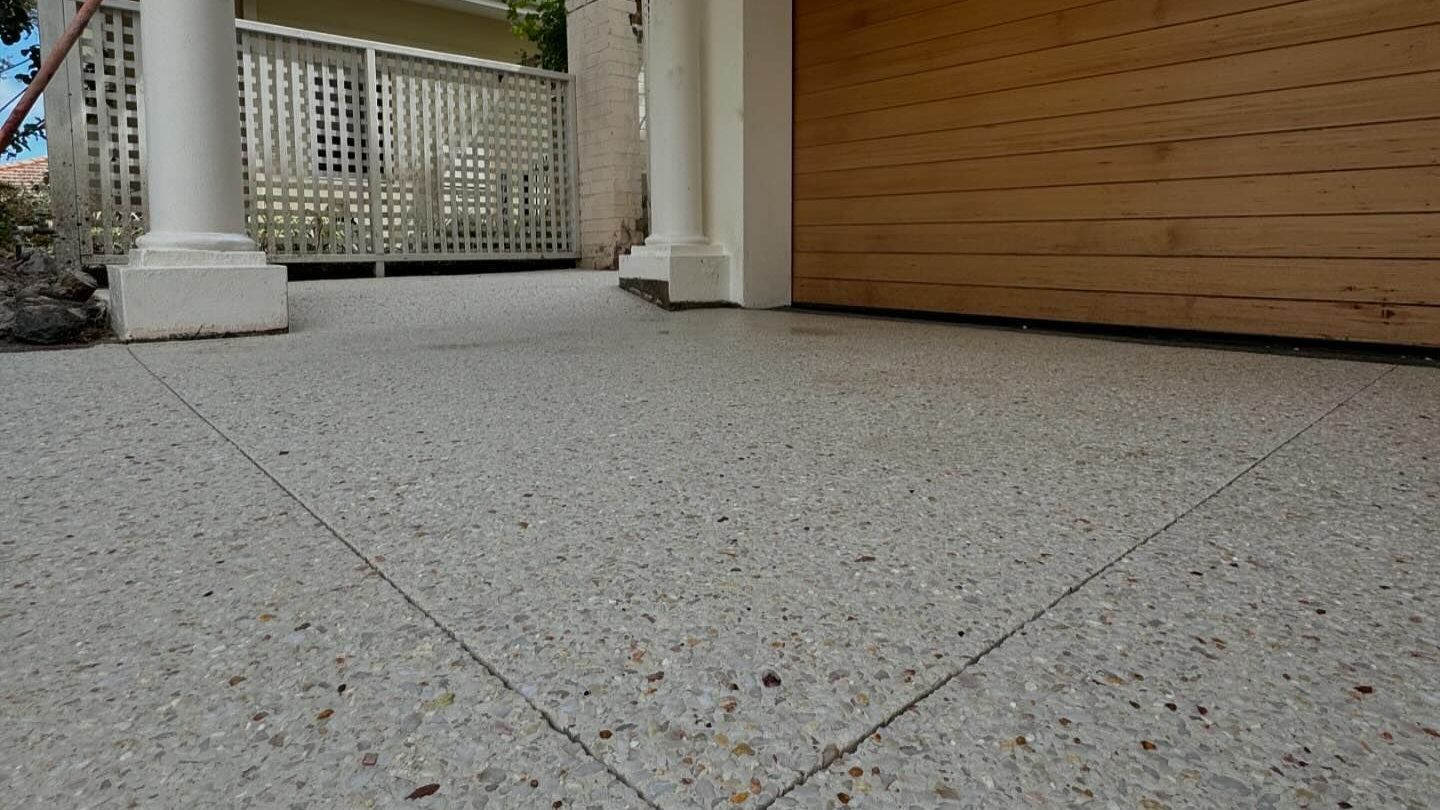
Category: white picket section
<point>352,150</point>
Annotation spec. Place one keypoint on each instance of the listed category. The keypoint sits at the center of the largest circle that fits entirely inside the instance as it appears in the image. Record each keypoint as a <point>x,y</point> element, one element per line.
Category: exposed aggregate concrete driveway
<point>524,541</point>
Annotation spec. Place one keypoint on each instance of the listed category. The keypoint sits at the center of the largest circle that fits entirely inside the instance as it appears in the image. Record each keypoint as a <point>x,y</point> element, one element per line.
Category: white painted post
<point>371,100</point>
<point>196,273</point>
<point>71,226</point>
<point>672,40</point>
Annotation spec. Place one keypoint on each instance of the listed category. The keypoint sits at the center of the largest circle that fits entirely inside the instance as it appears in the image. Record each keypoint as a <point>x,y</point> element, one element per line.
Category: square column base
<point>678,276</point>
<point>181,294</point>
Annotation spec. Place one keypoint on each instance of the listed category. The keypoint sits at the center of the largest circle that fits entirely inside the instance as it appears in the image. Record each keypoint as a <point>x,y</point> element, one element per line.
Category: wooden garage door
<point>1231,165</point>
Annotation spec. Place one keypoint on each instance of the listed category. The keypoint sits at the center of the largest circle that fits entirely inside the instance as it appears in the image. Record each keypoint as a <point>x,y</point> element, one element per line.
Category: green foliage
<point>17,21</point>
<point>541,23</point>
<point>21,142</point>
<point>17,18</point>
<point>24,217</point>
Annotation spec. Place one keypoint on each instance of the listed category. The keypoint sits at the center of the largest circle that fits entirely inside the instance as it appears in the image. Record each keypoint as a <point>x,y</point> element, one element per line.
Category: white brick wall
<point>605,58</point>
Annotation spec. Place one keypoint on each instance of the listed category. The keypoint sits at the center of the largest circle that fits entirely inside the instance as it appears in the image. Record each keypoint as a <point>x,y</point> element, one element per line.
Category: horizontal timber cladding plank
<point>1393,98</point>
<point>1370,322</point>
<point>877,30</point>
<point>1273,29</point>
<point>874,27</point>
<point>1396,281</point>
<point>1410,190</point>
<point>1405,143</point>
<point>1372,56</point>
<point>1376,236</point>
<point>823,19</point>
<point>1255,166</point>
<point>956,35</point>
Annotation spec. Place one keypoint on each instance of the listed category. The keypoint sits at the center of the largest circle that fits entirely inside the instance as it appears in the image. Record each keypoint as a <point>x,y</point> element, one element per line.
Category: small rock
<point>48,323</point>
<point>7,320</point>
<point>441,702</point>
<point>38,264</point>
<point>491,776</point>
<point>71,284</point>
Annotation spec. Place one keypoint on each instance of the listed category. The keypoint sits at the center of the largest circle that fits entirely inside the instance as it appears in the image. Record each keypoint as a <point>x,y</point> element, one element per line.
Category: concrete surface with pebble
<point>567,550</point>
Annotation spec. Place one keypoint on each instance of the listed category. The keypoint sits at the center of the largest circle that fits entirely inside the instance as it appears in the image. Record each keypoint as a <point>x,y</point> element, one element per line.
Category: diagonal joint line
<point>885,723</point>
<point>444,628</point>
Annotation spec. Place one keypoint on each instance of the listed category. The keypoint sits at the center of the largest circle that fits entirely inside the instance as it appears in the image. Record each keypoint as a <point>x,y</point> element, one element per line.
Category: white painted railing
<point>352,150</point>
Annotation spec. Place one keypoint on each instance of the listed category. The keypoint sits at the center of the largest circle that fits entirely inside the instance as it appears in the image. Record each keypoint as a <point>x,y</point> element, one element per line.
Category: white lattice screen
<point>351,150</point>
<point>112,140</point>
<point>304,146</point>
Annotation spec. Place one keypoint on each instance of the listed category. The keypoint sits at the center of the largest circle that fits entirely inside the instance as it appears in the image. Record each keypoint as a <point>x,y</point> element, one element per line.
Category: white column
<point>192,126</point>
<point>196,273</point>
<point>672,40</point>
<point>677,265</point>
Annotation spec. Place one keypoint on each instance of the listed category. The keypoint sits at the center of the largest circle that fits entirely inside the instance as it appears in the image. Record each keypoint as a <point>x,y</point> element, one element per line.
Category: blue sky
<point>10,86</point>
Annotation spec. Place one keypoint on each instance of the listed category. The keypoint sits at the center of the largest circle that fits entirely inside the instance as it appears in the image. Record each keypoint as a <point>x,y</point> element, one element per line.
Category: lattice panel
<point>476,161</point>
<point>110,130</point>
<point>304,146</point>
<point>442,158</point>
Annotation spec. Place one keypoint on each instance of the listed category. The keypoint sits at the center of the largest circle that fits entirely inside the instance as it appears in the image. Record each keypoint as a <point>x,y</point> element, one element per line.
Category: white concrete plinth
<point>678,274</point>
<point>167,294</point>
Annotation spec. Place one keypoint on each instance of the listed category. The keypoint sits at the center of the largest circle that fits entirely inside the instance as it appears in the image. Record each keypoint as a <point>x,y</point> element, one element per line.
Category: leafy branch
<point>541,23</point>
<point>18,21</point>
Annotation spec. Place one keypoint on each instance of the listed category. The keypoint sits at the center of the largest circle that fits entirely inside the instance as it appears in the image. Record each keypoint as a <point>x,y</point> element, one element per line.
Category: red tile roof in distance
<point>25,173</point>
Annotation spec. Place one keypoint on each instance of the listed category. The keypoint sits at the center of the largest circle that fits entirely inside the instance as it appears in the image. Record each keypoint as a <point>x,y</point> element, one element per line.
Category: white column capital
<point>191,240</point>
